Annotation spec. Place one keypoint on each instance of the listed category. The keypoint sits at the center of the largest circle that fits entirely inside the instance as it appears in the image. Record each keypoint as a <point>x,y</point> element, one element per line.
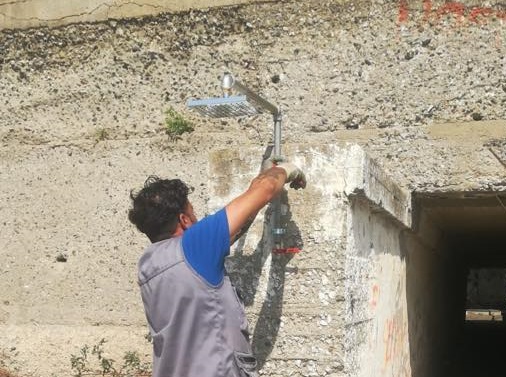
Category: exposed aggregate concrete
<point>329,65</point>
<point>81,107</point>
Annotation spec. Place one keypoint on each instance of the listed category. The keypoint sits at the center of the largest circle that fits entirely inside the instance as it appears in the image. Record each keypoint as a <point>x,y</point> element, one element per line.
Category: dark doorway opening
<point>467,304</point>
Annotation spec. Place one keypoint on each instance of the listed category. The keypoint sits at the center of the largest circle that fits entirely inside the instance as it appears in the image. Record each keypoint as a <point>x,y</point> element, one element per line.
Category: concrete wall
<point>36,13</point>
<point>486,288</point>
<point>378,342</point>
<point>305,310</point>
<point>405,290</point>
<point>82,122</point>
<point>340,306</point>
<point>429,291</point>
<point>295,302</point>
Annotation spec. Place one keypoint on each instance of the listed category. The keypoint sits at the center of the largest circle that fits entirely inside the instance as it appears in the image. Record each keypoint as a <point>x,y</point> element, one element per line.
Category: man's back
<point>198,329</point>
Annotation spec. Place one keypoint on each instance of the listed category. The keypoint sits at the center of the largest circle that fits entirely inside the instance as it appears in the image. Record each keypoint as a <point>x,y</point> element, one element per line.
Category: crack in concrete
<point>55,19</point>
<point>77,15</point>
<point>140,5</point>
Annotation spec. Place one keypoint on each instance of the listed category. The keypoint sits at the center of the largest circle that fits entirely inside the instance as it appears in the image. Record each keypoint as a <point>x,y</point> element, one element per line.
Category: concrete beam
<point>365,178</point>
<point>20,14</point>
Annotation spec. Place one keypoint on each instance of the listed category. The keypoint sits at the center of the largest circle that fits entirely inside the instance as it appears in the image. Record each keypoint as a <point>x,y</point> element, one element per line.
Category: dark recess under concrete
<point>470,231</point>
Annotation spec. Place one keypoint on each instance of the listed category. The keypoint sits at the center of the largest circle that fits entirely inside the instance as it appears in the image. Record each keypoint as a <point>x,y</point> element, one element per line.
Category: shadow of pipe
<point>245,272</point>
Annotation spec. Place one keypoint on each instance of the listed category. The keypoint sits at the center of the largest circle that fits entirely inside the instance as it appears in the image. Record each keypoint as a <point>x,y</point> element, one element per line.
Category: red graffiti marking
<point>390,340</point>
<point>394,338</point>
<point>478,11</point>
<point>427,9</point>
<point>457,9</point>
<point>403,11</point>
<point>375,296</point>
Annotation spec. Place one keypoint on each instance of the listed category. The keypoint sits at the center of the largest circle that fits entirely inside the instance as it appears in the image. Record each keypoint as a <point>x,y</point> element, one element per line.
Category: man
<point>196,319</point>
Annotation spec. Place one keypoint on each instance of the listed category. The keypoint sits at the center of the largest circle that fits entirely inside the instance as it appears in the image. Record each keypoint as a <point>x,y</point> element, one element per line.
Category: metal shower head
<point>248,104</point>
<point>225,107</point>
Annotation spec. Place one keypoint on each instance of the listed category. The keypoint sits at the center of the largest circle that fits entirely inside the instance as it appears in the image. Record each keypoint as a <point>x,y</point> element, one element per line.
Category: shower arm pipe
<point>229,83</point>
<point>277,134</point>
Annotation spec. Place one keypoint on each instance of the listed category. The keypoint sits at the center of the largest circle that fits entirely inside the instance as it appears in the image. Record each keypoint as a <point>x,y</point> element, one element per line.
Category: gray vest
<point>198,330</point>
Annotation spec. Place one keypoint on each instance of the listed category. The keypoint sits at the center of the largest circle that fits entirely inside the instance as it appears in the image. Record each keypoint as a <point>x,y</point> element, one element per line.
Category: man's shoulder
<point>206,244</point>
<point>208,225</point>
<point>158,257</point>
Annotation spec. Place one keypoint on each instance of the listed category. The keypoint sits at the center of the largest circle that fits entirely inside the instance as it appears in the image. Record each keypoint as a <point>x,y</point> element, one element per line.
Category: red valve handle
<point>287,250</point>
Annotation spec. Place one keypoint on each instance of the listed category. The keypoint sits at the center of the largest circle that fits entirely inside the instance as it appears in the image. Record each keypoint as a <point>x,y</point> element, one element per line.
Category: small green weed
<point>92,362</point>
<point>175,124</point>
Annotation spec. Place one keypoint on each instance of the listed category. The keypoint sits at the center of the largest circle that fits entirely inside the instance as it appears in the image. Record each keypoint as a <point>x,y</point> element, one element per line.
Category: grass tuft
<point>176,124</point>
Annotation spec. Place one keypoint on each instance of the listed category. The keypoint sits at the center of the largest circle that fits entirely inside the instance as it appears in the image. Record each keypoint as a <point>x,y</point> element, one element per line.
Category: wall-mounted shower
<point>248,103</point>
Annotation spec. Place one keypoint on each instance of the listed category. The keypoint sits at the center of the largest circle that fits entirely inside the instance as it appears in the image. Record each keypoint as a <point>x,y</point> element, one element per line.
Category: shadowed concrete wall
<point>33,13</point>
<point>485,288</point>
<point>295,302</point>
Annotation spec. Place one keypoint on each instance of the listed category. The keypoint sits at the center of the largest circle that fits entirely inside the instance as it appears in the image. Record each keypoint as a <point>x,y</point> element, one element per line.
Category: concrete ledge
<point>20,14</point>
<point>365,178</point>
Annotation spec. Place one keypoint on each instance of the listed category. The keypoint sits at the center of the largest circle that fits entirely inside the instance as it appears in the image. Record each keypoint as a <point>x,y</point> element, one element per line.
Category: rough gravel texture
<point>82,122</point>
<point>329,65</point>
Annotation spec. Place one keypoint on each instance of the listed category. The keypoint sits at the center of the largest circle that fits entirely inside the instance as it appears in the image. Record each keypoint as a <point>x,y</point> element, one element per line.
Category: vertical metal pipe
<point>276,227</point>
<point>277,230</point>
<point>228,83</point>
<point>277,135</point>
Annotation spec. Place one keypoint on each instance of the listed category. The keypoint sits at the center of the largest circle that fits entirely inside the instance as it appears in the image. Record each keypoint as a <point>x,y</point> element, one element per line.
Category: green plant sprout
<point>92,362</point>
<point>175,124</point>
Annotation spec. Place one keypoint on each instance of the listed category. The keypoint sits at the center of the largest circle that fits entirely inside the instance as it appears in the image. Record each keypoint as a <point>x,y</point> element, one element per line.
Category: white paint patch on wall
<point>326,171</point>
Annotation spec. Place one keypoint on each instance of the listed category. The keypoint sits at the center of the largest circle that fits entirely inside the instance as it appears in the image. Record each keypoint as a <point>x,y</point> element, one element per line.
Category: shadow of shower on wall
<point>245,272</point>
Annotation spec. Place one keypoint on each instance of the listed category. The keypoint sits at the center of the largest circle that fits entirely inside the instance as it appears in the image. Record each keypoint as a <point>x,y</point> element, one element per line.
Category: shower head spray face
<point>225,107</point>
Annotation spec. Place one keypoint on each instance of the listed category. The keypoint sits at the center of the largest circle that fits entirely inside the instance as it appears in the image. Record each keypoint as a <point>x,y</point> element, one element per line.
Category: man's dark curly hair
<point>156,207</point>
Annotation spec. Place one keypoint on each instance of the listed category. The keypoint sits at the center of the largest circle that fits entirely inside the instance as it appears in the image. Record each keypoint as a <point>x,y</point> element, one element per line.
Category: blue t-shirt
<point>206,244</point>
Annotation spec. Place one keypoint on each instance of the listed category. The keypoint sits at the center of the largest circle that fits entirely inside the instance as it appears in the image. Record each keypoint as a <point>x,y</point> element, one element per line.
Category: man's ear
<point>184,221</point>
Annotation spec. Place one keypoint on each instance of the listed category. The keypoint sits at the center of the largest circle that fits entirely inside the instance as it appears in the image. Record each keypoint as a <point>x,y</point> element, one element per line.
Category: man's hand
<point>294,175</point>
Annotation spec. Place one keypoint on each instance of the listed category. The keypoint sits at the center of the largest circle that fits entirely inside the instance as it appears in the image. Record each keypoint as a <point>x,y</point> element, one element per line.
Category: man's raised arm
<point>261,191</point>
